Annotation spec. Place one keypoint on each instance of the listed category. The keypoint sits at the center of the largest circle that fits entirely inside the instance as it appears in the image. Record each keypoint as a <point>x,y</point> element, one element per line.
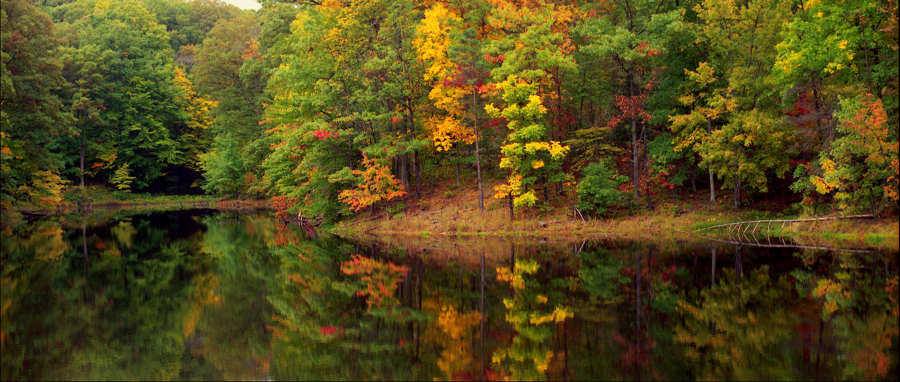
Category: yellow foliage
<point>446,130</point>
<point>434,41</point>
<point>827,183</point>
<point>513,187</point>
<point>45,188</point>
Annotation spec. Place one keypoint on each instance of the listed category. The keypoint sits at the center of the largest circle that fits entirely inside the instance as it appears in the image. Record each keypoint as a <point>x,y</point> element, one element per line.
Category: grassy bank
<point>103,201</point>
<point>456,215</point>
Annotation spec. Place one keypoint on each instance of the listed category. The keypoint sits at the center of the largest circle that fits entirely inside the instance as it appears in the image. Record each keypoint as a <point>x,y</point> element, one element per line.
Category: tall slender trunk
<point>477,150</point>
<point>712,179</point>
<point>634,145</point>
<point>458,158</point>
<point>412,128</point>
<point>83,131</point>
<point>418,176</point>
<point>481,310</point>
<point>866,52</point>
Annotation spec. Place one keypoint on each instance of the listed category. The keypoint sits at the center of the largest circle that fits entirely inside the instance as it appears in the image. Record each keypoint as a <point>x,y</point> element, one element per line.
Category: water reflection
<point>208,295</point>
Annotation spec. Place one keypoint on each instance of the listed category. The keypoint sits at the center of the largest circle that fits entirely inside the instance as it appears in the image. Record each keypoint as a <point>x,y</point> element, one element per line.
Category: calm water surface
<point>202,294</point>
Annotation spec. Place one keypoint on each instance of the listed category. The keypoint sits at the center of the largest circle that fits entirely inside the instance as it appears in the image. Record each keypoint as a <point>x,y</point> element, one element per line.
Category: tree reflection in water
<point>210,295</point>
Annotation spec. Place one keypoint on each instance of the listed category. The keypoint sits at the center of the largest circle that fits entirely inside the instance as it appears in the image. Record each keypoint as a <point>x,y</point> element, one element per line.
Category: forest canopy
<point>335,107</point>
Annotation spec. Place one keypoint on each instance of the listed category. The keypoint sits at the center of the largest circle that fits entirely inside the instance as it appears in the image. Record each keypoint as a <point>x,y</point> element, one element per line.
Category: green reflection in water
<point>226,295</point>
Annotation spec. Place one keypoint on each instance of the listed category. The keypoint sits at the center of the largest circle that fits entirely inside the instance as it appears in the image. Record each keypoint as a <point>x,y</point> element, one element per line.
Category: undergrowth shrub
<point>597,190</point>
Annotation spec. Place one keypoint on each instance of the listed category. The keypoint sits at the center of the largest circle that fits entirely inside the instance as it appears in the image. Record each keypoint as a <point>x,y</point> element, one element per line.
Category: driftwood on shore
<point>753,225</point>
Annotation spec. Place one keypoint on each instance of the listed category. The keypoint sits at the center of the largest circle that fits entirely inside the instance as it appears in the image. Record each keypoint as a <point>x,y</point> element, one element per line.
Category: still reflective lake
<point>205,294</point>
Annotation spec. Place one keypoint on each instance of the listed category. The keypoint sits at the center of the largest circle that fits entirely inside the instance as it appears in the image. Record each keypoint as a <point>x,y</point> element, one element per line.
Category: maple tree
<point>376,184</point>
<point>860,168</point>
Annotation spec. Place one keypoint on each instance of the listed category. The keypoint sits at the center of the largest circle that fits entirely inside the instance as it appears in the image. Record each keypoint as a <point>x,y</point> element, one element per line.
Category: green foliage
<point>32,110</point>
<point>122,178</point>
<point>223,167</point>
<point>598,188</point>
<point>601,275</point>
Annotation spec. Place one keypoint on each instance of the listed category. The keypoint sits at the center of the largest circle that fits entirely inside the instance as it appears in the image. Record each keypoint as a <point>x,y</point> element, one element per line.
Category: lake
<point>205,294</point>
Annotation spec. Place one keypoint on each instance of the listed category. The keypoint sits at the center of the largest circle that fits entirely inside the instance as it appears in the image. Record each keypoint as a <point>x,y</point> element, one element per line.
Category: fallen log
<point>737,226</point>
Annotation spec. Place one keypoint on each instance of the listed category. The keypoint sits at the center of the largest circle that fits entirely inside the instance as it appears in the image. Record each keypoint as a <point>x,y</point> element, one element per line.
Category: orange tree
<point>377,184</point>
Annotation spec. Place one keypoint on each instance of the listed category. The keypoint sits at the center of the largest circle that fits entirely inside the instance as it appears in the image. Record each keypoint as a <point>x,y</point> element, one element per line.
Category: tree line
<point>336,106</point>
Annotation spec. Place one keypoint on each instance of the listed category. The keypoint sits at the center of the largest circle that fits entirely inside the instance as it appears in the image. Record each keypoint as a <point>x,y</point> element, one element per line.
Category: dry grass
<point>453,215</point>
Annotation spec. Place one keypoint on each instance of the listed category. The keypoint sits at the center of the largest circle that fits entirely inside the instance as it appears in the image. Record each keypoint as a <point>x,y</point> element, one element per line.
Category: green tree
<point>598,188</point>
<point>628,36</point>
<point>754,138</point>
<point>223,167</point>
<point>140,101</point>
<point>231,68</point>
<point>32,110</point>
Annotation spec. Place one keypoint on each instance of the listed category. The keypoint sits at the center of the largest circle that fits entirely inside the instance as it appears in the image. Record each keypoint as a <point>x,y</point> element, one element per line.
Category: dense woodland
<point>334,107</point>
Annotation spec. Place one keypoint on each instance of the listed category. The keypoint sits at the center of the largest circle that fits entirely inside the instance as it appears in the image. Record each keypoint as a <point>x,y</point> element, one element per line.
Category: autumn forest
<point>333,107</point>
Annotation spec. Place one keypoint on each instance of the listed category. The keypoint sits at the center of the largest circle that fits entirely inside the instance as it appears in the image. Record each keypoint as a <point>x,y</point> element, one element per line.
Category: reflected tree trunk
<point>87,268</point>
<point>419,278</point>
<point>637,312</point>
<point>482,318</point>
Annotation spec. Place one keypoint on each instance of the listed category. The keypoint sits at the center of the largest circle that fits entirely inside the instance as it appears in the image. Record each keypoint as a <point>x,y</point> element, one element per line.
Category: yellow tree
<point>526,154</point>
<point>433,46</point>
<point>192,135</point>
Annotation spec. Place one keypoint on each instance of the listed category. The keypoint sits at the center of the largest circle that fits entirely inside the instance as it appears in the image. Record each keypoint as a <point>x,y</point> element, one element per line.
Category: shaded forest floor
<point>450,212</point>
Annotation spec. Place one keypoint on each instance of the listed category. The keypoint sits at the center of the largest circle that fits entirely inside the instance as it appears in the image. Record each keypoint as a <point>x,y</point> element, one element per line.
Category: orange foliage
<point>380,279</point>
<point>378,184</point>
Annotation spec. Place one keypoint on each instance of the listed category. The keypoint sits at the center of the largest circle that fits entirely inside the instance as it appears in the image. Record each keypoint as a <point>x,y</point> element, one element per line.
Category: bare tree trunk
<point>477,150</point>
<point>82,159</point>
<point>712,179</point>
<point>634,145</point>
<point>418,176</point>
<point>457,163</point>
<point>412,128</point>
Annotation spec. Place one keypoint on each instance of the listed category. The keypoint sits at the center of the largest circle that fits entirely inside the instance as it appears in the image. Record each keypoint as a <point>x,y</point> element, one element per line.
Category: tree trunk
<point>457,164</point>
<point>418,176</point>
<point>737,192</point>
<point>477,150</point>
<point>634,145</point>
<point>83,130</point>
<point>403,169</point>
<point>412,128</point>
<point>712,179</point>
